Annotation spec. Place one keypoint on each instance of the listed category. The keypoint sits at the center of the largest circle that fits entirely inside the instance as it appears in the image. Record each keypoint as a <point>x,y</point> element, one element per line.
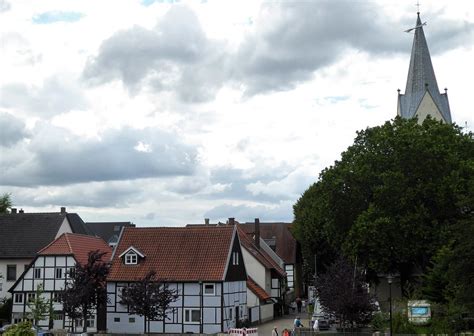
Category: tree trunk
<point>84,321</point>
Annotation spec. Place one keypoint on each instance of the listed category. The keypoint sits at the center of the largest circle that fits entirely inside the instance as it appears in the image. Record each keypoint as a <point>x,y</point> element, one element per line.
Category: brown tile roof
<point>257,290</point>
<point>286,244</point>
<point>175,253</point>
<point>248,243</point>
<point>77,245</point>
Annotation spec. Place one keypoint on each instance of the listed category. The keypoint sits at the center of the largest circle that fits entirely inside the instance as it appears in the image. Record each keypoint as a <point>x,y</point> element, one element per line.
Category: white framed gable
<point>64,228</point>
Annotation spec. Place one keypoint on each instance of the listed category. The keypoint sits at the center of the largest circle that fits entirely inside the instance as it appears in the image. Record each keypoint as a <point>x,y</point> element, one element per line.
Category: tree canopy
<point>342,291</point>
<point>393,199</point>
<point>5,203</point>
<point>148,297</point>
<point>86,290</point>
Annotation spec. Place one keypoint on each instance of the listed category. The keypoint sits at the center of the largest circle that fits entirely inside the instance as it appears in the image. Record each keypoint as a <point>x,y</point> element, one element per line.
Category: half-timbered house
<point>203,264</point>
<point>51,268</point>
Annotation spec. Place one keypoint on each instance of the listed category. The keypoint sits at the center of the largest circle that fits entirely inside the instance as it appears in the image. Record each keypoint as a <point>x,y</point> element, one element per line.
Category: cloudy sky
<point>168,112</point>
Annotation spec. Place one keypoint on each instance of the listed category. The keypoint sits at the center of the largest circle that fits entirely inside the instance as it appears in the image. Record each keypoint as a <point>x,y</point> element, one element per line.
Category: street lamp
<point>390,280</point>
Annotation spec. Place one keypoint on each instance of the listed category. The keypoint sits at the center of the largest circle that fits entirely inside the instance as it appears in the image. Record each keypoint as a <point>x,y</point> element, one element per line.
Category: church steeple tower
<point>422,96</point>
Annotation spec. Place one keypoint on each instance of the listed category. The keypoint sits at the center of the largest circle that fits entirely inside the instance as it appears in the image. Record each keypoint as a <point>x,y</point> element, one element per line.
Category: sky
<point>164,113</point>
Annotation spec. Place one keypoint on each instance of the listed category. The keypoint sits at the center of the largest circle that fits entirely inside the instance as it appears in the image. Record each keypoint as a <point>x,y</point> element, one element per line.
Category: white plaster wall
<point>20,267</point>
<point>428,107</point>
<point>266,312</point>
<point>65,227</point>
<point>254,268</point>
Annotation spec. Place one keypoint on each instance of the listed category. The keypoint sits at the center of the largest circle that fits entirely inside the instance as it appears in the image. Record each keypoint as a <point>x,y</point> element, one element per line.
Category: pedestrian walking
<point>275,331</point>
<point>299,303</point>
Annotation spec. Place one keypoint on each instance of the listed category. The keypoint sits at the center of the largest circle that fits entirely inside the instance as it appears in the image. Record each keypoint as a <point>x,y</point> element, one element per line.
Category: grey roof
<point>78,225</point>
<point>24,234</point>
<point>421,78</point>
<point>108,231</point>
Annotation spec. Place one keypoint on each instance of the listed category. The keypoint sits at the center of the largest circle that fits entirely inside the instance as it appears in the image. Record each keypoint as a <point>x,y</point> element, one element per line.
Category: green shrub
<point>401,325</point>
<point>20,329</point>
<point>380,321</point>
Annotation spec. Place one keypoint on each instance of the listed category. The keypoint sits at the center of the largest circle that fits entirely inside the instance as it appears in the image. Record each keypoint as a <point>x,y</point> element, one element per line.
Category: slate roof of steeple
<point>421,77</point>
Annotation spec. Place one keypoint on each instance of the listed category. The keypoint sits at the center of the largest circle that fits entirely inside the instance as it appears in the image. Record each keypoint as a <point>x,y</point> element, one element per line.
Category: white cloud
<point>203,109</point>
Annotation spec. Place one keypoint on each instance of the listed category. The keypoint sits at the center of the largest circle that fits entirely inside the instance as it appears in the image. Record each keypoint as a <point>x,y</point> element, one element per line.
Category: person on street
<point>316,325</point>
<point>297,322</point>
<point>275,331</point>
<point>285,332</point>
<point>299,303</point>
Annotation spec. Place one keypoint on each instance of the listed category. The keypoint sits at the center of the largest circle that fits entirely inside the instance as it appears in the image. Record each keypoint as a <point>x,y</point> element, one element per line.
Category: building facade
<point>203,264</point>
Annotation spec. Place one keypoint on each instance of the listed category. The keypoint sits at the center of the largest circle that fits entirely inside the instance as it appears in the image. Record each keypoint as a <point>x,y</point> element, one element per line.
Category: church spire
<point>422,96</point>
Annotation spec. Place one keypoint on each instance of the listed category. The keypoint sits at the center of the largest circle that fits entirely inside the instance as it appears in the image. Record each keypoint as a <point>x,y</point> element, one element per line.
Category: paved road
<point>281,323</point>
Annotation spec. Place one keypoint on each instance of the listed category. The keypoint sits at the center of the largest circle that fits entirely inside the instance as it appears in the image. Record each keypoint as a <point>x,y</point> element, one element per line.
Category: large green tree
<point>393,199</point>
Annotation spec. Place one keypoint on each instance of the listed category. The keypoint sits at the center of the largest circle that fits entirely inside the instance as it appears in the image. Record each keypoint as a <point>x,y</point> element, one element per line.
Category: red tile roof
<point>257,290</point>
<point>286,244</point>
<point>78,245</point>
<point>175,254</point>
<point>248,243</point>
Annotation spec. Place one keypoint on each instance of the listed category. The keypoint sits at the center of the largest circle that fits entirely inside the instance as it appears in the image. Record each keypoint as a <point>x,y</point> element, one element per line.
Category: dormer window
<point>131,258</point>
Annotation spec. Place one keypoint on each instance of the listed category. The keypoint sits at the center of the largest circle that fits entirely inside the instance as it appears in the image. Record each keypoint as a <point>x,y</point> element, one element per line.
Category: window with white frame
<point>235,258</point>
<point>90,323</point>
<point>209,289</point>
<point>131,258</point>
<point>192,316</point>
<point>31,297</point>
<point>37,273</point>
<point>230,313</point>
<point>59,273</point>
<point>18,298</point>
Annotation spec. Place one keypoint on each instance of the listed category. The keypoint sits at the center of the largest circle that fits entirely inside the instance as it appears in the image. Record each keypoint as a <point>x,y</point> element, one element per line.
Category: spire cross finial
<point>418,6</point>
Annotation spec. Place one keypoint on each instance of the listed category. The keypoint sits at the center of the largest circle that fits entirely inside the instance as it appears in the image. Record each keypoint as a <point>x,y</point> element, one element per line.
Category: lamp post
<point>390,280</point>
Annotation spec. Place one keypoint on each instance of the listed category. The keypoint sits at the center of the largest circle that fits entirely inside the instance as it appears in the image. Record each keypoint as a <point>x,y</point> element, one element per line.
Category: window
<point>58,315</point>
<point>192,316</point>
<point>11,272</point>
<point>230,313</point>
<point>131,320</point>
<point>235,258</point>
<point>131,258</point>
<point>18,298</point>
<point>209,289</point>
<point>1,286</point>
<point>59,273</point>
<point>31,297</point>
<point>90,323</point>
<point>116,319</point>
<point>37,273</point>
<point>71,272</point>
<point>56,297</point>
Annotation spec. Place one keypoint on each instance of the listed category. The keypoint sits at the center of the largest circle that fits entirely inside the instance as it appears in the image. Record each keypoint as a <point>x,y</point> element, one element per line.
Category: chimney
<point>231,220</point>
<point>13,211</point>
<point>22,211</point>
<point>206,221</point>
<point>257,232</point>
<point>63,210</point>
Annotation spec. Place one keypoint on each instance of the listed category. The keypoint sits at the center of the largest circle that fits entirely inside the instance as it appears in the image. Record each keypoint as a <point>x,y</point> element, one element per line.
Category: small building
<point>203,264</point>
<point>278,236</point>
<point>23,234</point>
<point>51,269</point>
<point>265,276</point>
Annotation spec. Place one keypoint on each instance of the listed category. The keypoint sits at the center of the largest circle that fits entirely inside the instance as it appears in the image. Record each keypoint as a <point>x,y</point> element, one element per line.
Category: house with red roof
<point>266,284</point>
<point>203,264</point>
<point>22,234</point>
<point>51,269</point>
